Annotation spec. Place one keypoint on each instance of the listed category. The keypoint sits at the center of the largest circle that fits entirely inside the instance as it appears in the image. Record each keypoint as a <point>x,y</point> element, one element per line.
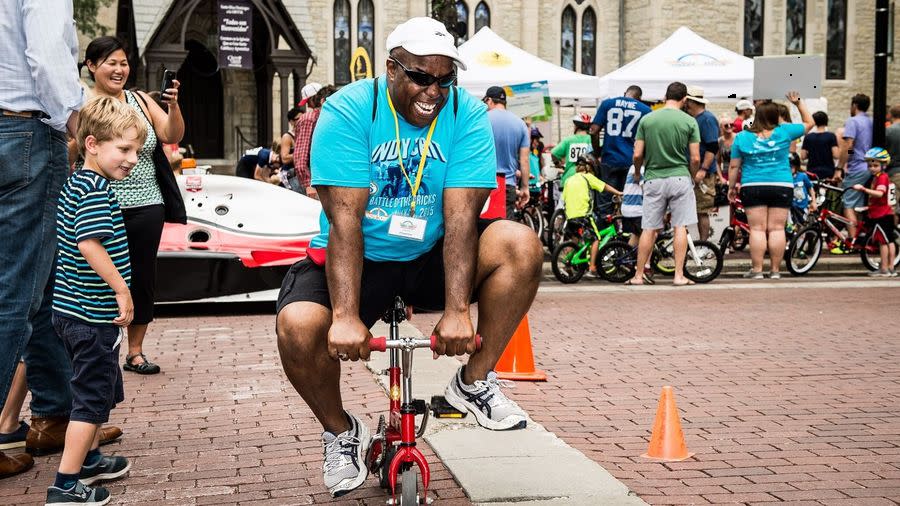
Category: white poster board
<point>774,76</point>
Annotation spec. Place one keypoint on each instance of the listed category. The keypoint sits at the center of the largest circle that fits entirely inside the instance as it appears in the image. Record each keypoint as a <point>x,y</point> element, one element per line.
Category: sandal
<point>145,367</point>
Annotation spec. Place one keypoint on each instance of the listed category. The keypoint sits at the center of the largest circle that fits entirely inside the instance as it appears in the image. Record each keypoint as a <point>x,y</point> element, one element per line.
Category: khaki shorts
<point>706,201</point>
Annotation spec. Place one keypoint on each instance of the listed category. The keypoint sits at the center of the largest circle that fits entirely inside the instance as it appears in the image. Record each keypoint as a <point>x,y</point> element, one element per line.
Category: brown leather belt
<point>24,114</point>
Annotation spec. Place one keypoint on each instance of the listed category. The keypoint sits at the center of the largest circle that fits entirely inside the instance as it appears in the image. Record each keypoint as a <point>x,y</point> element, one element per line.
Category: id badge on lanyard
<point>402,226</point>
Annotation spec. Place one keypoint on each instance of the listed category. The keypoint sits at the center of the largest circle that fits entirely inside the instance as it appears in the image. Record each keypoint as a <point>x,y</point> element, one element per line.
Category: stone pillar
<point>284,100</point>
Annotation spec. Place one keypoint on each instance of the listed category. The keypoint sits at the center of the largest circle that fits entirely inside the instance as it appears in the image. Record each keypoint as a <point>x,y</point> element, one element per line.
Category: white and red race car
<point>241,237</point>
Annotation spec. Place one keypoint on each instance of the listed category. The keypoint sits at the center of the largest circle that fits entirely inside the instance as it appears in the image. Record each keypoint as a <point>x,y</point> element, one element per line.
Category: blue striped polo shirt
<point>88,209</point>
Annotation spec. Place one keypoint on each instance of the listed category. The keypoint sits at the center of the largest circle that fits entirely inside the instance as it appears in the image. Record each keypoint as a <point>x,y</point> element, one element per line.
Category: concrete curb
<point>530,466</point>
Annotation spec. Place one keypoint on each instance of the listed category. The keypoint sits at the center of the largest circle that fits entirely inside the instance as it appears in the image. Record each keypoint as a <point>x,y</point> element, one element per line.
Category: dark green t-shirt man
<point>666,134</point>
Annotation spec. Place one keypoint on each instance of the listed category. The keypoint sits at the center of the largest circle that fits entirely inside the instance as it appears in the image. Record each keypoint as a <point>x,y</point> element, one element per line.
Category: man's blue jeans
<point>33,168</point>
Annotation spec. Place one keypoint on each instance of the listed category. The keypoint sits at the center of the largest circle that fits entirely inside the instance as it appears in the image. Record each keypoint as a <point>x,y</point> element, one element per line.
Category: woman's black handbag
<point>175,212</point>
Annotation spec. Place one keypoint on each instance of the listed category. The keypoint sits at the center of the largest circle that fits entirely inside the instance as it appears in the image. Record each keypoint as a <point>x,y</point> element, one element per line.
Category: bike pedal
<point>442,409</point>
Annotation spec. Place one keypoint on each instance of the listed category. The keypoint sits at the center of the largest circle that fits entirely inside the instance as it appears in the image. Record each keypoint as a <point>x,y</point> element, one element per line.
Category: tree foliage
<point>86,15</point>
<point>445,12</point>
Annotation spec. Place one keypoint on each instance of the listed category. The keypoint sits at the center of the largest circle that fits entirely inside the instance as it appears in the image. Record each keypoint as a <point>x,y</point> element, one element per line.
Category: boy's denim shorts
<point>96,376</point>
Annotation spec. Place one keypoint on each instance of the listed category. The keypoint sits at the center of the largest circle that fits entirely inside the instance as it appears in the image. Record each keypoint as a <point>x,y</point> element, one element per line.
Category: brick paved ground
<point>782,398</point>
<point>222,425</point>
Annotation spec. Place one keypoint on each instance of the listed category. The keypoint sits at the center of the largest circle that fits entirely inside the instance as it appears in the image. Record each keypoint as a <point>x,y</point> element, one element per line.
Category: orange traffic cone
<point>517,361</point>
<point>667,441</point>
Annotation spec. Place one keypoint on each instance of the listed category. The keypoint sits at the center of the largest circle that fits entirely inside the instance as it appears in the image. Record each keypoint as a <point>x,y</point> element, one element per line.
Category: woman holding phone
<point>139,194</point>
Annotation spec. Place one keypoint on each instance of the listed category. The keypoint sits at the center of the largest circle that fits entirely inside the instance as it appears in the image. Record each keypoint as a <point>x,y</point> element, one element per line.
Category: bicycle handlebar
<point>830,187</point>
<point>383,343</point>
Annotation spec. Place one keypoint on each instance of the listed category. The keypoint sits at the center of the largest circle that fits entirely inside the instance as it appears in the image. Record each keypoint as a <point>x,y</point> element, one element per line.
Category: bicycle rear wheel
<point>871,255</point>
<point>561,262</point>
<point>704,263</point>
<point>615,261</point>
<point>804,250</point>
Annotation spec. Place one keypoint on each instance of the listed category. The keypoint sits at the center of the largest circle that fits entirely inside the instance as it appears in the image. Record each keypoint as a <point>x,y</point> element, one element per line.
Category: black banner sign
<point>235,34</point>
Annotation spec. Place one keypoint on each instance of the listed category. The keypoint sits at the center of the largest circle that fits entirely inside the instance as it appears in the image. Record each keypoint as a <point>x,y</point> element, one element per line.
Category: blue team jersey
<point>619,118</point>
<point>88,209</point>
<point>349,149</point>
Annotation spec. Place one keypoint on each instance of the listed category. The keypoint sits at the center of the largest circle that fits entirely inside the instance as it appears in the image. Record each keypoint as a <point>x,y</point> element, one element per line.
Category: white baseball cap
<point>424,37</point>
<point>308,91</point>
<point>743,105</point>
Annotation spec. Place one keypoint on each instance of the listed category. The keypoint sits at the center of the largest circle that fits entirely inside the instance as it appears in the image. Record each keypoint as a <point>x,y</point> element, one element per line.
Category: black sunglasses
<point>425,79</point>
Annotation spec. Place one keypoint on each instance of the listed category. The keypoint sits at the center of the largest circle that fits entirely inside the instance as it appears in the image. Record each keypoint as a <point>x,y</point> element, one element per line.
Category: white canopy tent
<point>492,61</point>
<point>689,58</point>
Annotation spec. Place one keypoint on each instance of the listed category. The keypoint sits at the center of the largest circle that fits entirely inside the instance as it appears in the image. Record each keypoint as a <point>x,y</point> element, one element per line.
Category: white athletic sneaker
<point>492,409</point>
<point>344,467</point>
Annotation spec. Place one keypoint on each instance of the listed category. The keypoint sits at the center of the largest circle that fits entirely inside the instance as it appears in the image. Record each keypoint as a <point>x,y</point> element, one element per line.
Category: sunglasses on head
<point>425,79</point>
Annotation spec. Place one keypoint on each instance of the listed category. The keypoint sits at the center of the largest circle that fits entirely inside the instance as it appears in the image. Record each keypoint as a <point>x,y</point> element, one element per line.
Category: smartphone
<point>168,77</point>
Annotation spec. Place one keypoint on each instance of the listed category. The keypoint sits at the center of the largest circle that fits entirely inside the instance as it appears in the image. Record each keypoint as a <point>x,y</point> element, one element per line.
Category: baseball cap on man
<point>424,37</point>
<point>695,93</point>
<point>308,91</point>
<point>743,105</point>
<point>495,93</point>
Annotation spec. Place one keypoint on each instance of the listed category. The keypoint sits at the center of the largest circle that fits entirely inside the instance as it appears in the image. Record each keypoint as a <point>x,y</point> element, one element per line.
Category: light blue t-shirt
<point>859,128</point>
<point>510,135</point>
<point>350,150</point>
<point>802,187</point>
<point>767,161</point>
<point>534,161</point>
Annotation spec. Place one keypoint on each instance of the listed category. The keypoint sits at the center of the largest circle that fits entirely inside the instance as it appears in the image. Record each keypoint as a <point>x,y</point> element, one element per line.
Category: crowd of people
<point>401,202</point>
<point>678,163</point>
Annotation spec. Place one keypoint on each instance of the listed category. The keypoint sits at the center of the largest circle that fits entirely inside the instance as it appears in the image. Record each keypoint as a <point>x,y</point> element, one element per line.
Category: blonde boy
<point>91,299</point>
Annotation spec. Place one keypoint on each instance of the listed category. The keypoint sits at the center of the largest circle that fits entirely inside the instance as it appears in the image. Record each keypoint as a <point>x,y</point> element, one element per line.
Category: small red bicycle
<point>393,451</point>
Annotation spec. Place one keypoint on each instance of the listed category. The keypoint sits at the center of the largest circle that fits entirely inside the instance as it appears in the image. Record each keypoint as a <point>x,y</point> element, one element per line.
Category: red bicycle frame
<point>400,430</point>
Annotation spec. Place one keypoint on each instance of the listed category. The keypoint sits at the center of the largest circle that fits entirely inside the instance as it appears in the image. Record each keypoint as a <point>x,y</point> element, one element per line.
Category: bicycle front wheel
<point>565,263</point>
<point>704,263</point>
<point>556,229</point>
<point>804,250</point>
<point>662,260</point>
<point>615,261</point>
<point>532,218</point>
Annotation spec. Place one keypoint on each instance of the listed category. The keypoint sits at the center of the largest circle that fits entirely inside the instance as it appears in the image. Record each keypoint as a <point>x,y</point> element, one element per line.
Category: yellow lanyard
<point>413,188</point>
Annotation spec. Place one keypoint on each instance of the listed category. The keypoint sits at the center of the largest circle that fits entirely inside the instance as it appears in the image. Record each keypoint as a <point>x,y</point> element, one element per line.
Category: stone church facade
<point>312,40</point>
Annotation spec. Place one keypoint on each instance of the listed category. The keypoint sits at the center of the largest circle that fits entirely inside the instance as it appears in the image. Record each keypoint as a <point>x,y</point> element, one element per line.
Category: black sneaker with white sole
<point>78,495</point>
<point>344,467</point>
<point>109,468</point>
<point>492,409</point>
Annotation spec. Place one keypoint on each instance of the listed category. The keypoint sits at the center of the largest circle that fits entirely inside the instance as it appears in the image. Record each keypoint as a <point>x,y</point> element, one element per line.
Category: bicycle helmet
<point>879,154</point>
<point>582,118</point>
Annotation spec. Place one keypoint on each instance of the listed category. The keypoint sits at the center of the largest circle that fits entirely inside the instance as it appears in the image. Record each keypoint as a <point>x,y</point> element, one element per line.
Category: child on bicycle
<point>882,199</point>
<point>579,199</point>
<point>804,194</point>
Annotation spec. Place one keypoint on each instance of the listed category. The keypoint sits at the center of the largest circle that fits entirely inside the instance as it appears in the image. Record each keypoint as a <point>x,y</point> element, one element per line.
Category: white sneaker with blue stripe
<point>492,409</point>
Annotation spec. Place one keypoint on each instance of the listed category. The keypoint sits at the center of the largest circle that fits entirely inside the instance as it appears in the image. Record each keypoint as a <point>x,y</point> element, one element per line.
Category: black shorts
<point>631,225</point>
<point>420,282</point>
<point>883,229</point>
<point>96,376</point>
<point>767,196</point>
